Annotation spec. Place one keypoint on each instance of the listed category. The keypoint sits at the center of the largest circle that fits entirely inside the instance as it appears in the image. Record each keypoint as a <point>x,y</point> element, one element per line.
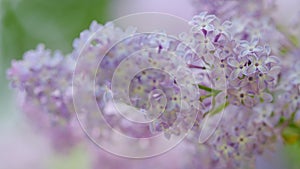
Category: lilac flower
<point>265,80</point>
<point>257,64</point>
<point>45,79</point>
<point>223,146</point>
<point>202,22</point>
<point>241,97</point>
<point>292,101</point>
<point>205,44</point>
<point>250,82</point>
<point>223,28</point>
<point>225,49</point>
<point>243,140</point>
<point>248,48</point>
<point>263,114</point>
<point>239,67</point>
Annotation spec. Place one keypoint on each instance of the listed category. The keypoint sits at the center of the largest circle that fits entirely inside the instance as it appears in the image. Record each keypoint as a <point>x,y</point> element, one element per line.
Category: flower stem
<point>208,89</point>
<point>217,110</point>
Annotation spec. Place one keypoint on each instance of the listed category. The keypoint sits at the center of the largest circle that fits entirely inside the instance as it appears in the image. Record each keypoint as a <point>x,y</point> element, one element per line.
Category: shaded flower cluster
<point>45,80</point>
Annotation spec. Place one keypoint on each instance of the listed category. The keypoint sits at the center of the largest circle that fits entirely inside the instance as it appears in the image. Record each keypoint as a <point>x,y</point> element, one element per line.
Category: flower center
<point>242,95</point>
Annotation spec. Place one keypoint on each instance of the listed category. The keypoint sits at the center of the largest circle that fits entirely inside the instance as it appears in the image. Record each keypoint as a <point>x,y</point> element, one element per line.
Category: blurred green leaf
<point>291,132</point>
<point>25,23</point>
<point>291,135</point>
<point>290,155</point>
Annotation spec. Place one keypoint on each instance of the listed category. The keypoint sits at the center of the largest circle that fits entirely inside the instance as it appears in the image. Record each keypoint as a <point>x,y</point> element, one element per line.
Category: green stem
<point>217,110</point>
<point>208,89</point>
<point>204,97</point>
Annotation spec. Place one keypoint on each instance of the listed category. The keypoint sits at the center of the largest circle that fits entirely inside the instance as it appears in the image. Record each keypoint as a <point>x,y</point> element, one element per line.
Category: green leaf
<point>291,134</point>
<point>290,155</point>
<point>217,110</point>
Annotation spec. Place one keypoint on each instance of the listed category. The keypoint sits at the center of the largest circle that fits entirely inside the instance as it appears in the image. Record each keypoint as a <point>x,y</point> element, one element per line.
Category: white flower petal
<point>232,62</point>
<point>262,68</point>
<point>267,97</point>
<point>235,74</point>
<point>251,70</point>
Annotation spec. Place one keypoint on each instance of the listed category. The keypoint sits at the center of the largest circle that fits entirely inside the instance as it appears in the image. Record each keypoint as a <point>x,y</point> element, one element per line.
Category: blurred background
<point>26,23</point>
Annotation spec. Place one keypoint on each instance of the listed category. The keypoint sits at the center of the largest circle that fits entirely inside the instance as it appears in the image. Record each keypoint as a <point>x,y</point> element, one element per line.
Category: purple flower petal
<point>248,101</point>
<point>244,52</point>
<point>262,84</point>
<point>258,49</point>
<point>235,74</point>
<point>210,18</point>
<point>262,68</point>
<point>254,42</point>
<point>272,59</point>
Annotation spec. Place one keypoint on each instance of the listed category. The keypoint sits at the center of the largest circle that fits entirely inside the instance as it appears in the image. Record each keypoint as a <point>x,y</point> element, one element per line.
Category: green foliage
<point>25,23</point>
<point>291,134</point>
<point>291,154</point>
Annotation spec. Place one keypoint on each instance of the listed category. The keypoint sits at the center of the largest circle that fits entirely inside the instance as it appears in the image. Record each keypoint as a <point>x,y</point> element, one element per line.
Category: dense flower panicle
<point>237,142</point>
<point>45,81</point>
<point>99,35</point>
<point>203,22</point>
<point>247,66</point>
<point>251,19</point>
<point>251,75</point>
<point>137,53</point>
<point>63,135</point>
<point>220,69</point>
<point>94,44</point>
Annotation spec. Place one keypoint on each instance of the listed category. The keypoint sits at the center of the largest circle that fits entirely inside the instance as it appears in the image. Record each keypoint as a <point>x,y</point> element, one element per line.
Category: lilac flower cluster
<point>47,100</point>
<point>107,60</point>
<point>243,75</point>
<point>233,70</point>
